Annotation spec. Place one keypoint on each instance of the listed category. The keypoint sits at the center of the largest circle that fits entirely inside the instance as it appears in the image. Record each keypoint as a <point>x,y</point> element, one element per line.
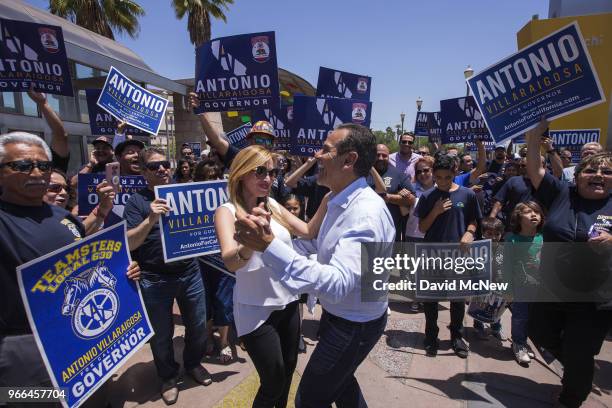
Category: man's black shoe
<point>460,348</point>
<point>431,347</point>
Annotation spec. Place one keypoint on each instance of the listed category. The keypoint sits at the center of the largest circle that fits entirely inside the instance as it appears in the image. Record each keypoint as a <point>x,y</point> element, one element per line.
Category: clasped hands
<point>254,230</point>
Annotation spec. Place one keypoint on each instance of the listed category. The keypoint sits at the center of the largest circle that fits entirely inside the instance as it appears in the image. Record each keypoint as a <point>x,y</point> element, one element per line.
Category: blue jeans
<point>159,292</point>
<point>520,319</point>
<point>330,374</point>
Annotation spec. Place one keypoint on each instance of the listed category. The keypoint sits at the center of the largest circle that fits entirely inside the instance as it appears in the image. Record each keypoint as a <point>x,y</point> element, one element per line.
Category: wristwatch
<point>383,195</point>
<point>551,151</point>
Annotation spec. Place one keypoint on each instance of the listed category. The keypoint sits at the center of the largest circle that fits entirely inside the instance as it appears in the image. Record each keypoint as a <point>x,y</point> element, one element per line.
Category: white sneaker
<point>520,353</point>
<point>530,352</point>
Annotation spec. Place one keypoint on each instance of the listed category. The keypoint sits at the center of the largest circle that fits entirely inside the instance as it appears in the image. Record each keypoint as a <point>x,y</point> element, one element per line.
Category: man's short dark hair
<point>143,156</point>
<point>444,161</point>
<point>361,140</point>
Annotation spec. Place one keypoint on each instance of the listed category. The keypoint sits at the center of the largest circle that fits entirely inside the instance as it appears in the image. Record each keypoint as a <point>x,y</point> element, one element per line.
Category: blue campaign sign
<point>552,77</point>
<point>239,72</point>
<point>33,54</point>
<point>471,146</point>
<point>574,139</point>
<point>237,137</point>
<point>188,230</point>
<point>462,121</point>
<point>88,318</point>
<point>131,103</point>
<point>88,199</point>
<point>428,124</point>
<point>314,118</point>
<point>338,84</point>
<point>196,148</point>
<point>447,272</point>
<point>421,124</point>
<point>280,118</point>
<point>103,123</point>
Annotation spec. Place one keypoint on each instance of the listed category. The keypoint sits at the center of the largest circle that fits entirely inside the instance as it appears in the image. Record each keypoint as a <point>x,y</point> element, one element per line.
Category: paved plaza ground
<point>396,374</point>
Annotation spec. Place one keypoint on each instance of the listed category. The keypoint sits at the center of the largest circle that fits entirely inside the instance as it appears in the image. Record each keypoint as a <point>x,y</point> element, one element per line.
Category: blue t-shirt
<point>26,234</point>
<point>452,224</point>
<point>463,179</point>
<point>149,255</point>
<point>573,268</point>
<point>516,190</point>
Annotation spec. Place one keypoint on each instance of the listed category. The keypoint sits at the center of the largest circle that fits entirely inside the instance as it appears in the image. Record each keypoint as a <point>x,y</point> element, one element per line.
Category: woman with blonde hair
<point>265,313</point>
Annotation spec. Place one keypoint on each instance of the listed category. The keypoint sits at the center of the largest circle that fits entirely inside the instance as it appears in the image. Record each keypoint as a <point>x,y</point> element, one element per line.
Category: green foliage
<point>104,17</point>
<point>387,137</point>
<point>198,16</point>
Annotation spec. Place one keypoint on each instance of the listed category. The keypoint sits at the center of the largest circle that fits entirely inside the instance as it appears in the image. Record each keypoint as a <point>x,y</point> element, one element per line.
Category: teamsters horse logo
<point>91,301</point>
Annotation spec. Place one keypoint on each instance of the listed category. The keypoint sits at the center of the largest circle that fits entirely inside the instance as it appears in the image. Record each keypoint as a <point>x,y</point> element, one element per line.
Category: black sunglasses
<point>424,171</point>
<point>154,165</point>
<point>56,187</point>
<point>26,166</point>
<point>261,172</point>
<point>407,142</point>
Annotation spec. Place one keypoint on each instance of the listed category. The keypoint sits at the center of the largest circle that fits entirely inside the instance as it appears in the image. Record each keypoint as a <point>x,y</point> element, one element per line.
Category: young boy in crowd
<point>493,229</point>
<point>447,213</point>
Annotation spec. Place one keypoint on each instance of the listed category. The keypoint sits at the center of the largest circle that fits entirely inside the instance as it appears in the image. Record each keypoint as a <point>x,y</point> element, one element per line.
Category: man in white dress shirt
<point>349,327</point>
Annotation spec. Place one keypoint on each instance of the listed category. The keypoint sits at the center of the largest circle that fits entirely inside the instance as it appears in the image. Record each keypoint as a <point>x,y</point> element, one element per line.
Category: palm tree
<point>198,20</point>
<point>104,17</point>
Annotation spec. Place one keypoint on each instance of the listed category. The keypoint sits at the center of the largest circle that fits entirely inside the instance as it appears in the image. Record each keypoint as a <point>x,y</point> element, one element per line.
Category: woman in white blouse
<point>265,313</point>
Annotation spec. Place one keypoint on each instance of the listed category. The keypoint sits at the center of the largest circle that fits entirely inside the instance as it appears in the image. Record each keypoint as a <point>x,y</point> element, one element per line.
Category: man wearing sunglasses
<point>29,228</point>
<point>404,159</point>
<point>262,133</point>
<point>162,283</point>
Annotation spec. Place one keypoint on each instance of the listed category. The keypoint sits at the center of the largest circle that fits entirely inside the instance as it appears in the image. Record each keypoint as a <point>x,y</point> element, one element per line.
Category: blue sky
<point>410,48</point>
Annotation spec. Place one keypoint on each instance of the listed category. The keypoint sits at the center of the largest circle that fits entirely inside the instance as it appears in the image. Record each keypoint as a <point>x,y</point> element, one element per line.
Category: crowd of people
<point>293,227</point>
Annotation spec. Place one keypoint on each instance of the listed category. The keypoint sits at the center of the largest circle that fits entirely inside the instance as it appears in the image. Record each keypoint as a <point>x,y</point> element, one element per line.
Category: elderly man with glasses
<point>29,229</point>
<point>404,159</point>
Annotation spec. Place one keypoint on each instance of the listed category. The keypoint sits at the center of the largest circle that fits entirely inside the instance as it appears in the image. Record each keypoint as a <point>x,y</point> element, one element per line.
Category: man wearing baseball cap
<point>127,155</point>
<point>101,155</point>
<point>262,133</point>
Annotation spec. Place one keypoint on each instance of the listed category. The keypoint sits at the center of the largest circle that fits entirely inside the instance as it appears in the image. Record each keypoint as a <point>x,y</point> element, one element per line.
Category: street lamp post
<point>467,73</point>
<point>402,117</point>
